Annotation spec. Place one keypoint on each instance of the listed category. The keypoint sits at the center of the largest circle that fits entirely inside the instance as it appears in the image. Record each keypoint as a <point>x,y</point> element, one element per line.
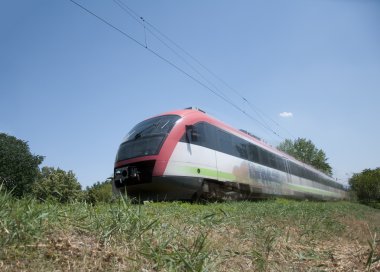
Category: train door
<point>200,150</point>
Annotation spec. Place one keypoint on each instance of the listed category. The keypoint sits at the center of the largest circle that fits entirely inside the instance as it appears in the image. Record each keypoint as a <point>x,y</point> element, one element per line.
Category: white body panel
<point>188,158</point>
<point>198,161</point>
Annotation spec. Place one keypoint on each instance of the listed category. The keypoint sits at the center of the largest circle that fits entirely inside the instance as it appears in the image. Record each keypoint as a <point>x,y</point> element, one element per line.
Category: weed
<point>373,256</point>
<point>280,234</point>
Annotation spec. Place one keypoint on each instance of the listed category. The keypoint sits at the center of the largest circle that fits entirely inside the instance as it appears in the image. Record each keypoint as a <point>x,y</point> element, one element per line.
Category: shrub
<point>99,192</point>
<point>57,184</point>
<point>366,185</point>
<point>18,166</point>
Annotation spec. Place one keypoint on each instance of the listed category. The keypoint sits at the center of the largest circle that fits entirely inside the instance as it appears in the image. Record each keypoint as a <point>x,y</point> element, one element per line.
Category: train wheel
<point>198,196</point>
<point>118,183</point>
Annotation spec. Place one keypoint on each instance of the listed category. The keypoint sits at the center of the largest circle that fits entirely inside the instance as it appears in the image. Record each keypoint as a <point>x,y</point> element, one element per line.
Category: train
<point>189,155</point>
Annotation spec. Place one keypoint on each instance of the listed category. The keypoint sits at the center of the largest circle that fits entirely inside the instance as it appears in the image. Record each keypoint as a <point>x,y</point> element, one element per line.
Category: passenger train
<point>189,155</point>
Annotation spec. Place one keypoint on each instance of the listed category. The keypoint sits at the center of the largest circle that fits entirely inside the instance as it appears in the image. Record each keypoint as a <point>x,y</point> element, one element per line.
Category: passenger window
<point>204,135</point>
<point>272,160</point>
<point>264,157</point>
<point>225,142</point>
<point>209,136</point>
<point>198,135</point>
<point>280,164</point>
<point>241,149</point>
<point>253,153</point>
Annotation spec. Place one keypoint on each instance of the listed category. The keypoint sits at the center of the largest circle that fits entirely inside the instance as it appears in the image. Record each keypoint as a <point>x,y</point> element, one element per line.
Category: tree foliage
<point>18,166</point>
<point>99,192</point>
<point>57,184</point>
<point>366,185</point>
<point>305,151</point>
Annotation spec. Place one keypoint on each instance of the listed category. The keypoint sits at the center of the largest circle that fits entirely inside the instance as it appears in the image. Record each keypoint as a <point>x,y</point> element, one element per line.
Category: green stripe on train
<point>307,189</point>
<point>211,173</point>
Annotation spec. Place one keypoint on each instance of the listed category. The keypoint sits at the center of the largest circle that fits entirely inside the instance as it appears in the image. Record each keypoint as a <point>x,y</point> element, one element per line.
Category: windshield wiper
<point>138,135</point>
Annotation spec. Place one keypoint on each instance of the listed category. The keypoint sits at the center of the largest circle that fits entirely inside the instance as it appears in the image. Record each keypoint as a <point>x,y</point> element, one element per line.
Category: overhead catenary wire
<point>142,21</point>
<point>259,113</point>
<point>158,55</point>
<point>173,65</point>
<point>252,106</point>
<point>139,19</point>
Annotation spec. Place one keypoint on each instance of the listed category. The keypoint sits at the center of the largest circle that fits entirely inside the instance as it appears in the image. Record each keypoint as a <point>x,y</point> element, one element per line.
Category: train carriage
<point>187,155</point>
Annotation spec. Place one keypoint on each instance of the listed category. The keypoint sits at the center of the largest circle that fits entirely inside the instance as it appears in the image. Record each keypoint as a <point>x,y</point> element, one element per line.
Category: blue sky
<point>72,86</point>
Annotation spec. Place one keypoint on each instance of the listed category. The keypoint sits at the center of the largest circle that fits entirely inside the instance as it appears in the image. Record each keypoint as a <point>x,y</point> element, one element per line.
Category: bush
<point>366,185</point>
<point>18,167</point>
<point>58,185</point>
<point>99,192</point>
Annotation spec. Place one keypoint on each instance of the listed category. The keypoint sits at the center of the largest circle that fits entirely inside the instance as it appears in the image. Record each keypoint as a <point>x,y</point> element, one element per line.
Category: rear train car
<point>187,155</point>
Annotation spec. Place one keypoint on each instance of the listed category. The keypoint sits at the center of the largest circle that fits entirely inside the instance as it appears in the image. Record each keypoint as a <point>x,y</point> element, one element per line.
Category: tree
<point>305,151</point>
<point>100,192</point>
<point>18,166</point>
<point>58,185</point>
<point>366,185</point>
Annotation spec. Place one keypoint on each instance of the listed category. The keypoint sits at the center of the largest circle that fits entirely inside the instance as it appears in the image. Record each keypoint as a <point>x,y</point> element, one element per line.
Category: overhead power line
<point>221,96</point>
<point>143,21</point>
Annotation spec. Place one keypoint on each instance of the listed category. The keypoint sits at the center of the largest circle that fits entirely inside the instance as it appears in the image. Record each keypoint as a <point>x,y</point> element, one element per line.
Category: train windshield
<point>146,138</point>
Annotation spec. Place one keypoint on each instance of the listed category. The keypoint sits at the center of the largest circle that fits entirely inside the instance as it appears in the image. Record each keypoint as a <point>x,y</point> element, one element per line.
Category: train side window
<point>300,171</point>
<point>205,135</point>
<point>291,168</point>
<point>253,153</point>
<point>315,176</point>
<point>264,159</point>
<point>303,171</point>
<point>326,181</point>
<point>310,175</point>
<point>240,147</point>
<point>294,169</point>
<point>242,150</point>
<point>280,164</point>
<point>196,134</point>
<point>210,136</point>
<point>199,132</point>
<point>225,142</point>
<point>272,160</point>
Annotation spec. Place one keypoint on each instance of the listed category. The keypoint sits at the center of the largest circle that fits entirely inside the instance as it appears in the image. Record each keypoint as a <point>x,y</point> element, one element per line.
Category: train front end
<point>142,158</point>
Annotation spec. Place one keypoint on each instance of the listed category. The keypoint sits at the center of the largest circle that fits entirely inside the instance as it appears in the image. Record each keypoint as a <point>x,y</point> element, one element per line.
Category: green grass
<point>273,235</point>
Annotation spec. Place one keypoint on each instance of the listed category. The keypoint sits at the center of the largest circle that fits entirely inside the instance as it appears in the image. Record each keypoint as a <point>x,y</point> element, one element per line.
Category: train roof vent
<point>251,134</point>
<point>195,108</point>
